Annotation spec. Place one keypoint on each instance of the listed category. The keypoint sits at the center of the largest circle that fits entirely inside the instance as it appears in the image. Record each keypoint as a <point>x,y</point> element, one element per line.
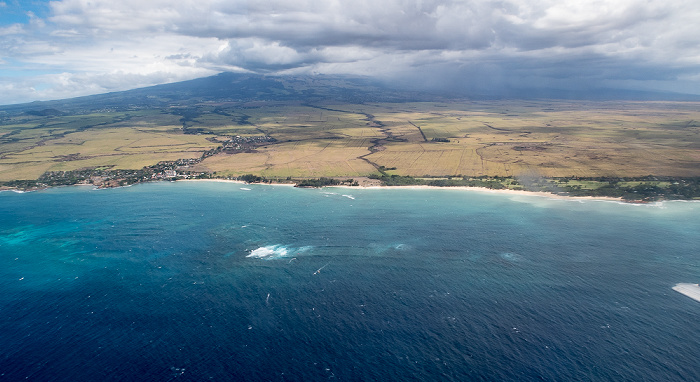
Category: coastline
<point>374,186</point>
<point>497,191</point>
<point>639,190</point>
<point>234,181</point>
<point>456,188</point>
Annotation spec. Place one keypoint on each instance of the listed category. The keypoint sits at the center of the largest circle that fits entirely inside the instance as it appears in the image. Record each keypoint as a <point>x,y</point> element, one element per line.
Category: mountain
<point>343,89</point>
<point>232,87</point>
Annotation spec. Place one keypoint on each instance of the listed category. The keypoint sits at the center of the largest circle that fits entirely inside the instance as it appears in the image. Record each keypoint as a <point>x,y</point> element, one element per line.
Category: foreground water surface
<point>201,280</point>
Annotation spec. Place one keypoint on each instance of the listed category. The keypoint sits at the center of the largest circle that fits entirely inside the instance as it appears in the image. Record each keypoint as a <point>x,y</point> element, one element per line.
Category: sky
<point>67,48</point>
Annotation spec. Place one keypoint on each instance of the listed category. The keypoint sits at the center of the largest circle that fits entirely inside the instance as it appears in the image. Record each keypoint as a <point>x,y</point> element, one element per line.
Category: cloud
<point>473,44</point>
<point>11,30</point>
<point>67,85</point>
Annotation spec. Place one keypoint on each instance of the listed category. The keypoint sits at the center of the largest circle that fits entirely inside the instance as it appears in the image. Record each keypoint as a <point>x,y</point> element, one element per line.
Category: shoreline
<point>639,190</point>
<point>455,188</point>
<point>234,181</point>
<point>413,187</point>
<point>499,191</point>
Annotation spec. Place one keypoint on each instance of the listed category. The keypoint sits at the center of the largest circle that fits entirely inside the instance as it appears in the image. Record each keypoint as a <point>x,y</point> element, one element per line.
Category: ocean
<point>195,281</point>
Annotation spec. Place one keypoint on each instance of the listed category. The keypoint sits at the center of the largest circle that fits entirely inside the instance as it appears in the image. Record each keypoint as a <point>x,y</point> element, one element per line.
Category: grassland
<point>119,141</point>
<point>324,139</point>
<point>552,139</point>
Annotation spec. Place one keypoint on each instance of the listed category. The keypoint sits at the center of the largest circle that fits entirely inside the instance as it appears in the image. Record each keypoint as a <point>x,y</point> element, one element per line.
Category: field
<point>552,139</point>
<point>469,138</point>
<point>120,141</point>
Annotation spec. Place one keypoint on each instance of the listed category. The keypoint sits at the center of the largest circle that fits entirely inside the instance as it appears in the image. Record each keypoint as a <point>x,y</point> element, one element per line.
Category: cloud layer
<point>84,47</point>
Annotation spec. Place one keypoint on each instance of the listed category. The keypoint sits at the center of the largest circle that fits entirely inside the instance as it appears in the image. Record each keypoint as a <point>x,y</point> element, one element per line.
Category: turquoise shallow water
<point>201,280</point>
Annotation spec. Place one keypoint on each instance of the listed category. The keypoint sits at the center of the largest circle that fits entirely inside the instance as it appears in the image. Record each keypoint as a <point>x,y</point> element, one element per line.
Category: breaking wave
<point>277,251</point>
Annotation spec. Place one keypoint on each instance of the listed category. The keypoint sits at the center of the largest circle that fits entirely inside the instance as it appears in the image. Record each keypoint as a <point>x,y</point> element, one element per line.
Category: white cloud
<point>444,41</point>
<point>11,30</point>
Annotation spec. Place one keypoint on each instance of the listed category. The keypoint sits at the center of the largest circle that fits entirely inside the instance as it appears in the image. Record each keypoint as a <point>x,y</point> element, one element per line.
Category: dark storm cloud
<point>598,40</point>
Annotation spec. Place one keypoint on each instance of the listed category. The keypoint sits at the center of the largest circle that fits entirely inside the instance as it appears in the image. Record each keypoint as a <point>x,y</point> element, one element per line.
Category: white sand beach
<point>458,188</point>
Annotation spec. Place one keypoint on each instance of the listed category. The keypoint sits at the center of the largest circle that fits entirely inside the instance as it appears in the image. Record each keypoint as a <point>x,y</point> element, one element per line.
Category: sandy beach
<point>371,185</point>
<point>457,188</point>
<point>494,191</point>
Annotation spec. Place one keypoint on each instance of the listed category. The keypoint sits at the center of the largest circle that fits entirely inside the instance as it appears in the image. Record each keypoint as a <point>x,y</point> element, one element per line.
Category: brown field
<point>121,145</point>
<point>296,159</point>
<point>546,138</point>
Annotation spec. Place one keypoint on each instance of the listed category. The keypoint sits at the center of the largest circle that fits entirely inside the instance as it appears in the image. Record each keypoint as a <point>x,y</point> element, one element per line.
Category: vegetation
<point>482,181</point>
<point>398,180</point>
<point>647,188</point>
<point>263,129</point>
<point>250,178</point>
<point>641,189</point>
<point>320,182</point>
<point>494,184</point>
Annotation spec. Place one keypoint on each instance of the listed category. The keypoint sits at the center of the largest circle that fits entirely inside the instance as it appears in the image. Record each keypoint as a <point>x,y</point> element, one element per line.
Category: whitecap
<point>269,252</point>
<point>245,189</point>
<point>277,251</point>
<point>349,197</point>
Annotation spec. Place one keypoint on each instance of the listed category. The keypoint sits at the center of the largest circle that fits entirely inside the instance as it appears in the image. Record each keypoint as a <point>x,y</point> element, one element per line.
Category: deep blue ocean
<point>195,281</point>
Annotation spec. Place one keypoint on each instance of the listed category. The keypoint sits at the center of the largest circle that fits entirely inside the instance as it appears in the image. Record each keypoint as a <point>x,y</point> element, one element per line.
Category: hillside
<point>308,127</point>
